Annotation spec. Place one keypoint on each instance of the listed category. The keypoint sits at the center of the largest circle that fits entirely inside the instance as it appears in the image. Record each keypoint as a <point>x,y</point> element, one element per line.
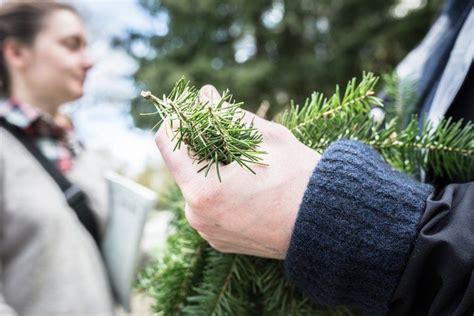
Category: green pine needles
<point>214,133</point>
<point>193,279</point>
<point>446,150</point>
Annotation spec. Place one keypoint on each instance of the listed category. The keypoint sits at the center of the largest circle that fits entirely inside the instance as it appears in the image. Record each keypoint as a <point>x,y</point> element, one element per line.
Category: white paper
<point>129,203</point>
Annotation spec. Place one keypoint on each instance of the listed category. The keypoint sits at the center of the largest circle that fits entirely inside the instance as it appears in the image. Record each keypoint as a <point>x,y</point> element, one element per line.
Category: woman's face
<point>57,63</point>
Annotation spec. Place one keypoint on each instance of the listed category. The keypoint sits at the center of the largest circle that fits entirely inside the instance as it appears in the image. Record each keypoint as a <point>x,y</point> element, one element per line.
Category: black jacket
<point>439,276</point>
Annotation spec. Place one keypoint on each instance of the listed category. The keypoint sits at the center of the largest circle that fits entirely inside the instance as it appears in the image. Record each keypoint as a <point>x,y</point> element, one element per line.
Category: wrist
<point>302,177</point>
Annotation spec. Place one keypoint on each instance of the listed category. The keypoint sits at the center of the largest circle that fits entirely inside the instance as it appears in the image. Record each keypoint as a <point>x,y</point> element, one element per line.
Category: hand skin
<point>246,213</point>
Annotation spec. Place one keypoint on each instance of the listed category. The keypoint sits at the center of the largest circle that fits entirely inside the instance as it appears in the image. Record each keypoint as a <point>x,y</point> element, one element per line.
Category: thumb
<point>208,93</point>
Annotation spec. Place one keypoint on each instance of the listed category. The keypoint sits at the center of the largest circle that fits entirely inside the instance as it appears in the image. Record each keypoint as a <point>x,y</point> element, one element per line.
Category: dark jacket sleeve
<point>364,237</point>
<point>439,276</point>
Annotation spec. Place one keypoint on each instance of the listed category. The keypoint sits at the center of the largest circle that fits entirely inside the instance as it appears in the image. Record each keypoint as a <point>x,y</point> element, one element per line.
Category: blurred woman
<point>52,194</point>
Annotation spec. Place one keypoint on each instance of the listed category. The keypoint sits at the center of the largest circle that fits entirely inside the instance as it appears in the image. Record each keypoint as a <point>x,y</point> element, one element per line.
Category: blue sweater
<point>355,228</point>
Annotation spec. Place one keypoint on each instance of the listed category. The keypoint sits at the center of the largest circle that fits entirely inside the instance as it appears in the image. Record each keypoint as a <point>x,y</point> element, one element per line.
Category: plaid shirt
<point>54,138</point>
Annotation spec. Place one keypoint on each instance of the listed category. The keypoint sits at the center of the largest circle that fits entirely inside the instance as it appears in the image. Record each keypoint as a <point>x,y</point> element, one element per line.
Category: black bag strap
<point>75,197</point>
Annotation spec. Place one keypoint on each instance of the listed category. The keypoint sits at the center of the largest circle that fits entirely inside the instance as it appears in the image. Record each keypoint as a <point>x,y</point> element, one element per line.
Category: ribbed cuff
<point>355,228</point>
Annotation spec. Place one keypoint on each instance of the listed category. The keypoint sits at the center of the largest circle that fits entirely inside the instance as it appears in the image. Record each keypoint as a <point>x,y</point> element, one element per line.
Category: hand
<point>246,213</point>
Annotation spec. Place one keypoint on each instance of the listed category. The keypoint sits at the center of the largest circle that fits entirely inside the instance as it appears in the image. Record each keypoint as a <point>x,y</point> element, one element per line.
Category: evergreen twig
<point>214,133</point>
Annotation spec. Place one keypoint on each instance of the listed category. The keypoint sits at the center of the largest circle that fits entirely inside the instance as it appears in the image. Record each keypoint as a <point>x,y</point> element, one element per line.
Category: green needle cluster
<point>214,133</point>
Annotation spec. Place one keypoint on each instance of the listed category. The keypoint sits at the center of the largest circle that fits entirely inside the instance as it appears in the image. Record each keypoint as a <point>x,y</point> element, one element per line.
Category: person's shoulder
<point>7,139</point>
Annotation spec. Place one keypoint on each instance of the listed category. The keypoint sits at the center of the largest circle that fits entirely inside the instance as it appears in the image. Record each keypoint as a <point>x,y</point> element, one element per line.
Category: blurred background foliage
<point>271,51</point>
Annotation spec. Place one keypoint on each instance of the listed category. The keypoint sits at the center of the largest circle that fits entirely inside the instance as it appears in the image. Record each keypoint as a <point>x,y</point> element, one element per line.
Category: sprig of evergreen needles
<point>214,133</point>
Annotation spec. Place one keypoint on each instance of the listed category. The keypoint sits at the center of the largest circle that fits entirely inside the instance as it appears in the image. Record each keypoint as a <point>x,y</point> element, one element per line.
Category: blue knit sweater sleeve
<point>355,228</point>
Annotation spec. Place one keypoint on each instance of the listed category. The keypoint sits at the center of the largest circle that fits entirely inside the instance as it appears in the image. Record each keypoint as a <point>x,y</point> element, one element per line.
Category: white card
<point>129,203</point>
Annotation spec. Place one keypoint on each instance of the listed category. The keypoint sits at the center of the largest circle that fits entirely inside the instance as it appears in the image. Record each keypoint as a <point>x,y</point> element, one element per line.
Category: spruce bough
<point>193,279</point>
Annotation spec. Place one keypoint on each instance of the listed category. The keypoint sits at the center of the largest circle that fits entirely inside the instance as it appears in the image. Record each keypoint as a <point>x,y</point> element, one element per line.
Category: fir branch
<point>171,279</point>
<point>445,151</point>
<point>400,98</point>
<point>225,288</point>
<point>282,298</point>
<point>215,134</point>
<point>357,97</point>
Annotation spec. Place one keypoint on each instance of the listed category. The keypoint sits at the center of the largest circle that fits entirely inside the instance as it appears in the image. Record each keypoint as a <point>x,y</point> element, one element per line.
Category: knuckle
<point>278,132</point>
<point>283,132</point>
<point>204,198</point>
<point>198,199</point>
<point>194,220</point>
<point>159,143</point>
<point>160,136</point>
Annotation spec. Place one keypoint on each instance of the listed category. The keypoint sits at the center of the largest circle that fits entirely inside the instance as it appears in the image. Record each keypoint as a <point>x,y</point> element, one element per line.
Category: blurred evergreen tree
<point>272,50</point>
